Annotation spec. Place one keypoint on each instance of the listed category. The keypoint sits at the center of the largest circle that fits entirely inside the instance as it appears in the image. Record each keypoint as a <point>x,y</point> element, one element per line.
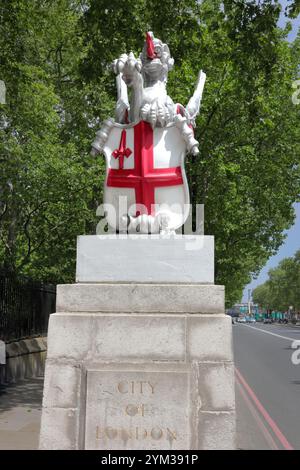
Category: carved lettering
<point>171,434</point>
<point>135,388</point>
<point>122,387</point>
<point>133,410</point>
<point>152,388</point>
<point>111,433</point>
<point>157,433</point>
<point>140,433</point>
<point>130,409</point>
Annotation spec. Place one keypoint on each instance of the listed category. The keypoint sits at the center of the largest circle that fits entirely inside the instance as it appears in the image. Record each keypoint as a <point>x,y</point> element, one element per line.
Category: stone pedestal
<point>140,258</point>
<point>134,365</point>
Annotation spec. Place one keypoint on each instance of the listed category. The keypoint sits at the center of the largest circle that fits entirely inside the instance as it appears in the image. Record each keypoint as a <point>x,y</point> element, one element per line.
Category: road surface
<point>267,386</point>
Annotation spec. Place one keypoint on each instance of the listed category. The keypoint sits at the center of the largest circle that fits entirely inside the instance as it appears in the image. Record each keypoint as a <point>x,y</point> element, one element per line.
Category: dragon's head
<point>156,59</point>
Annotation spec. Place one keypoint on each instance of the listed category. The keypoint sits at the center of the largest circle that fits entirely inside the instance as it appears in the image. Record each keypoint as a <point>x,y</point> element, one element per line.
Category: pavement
<point>267,394</point>
<point>20,414</point>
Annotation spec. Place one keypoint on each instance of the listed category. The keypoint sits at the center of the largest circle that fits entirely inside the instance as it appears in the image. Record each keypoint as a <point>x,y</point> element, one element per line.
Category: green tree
<point>261,295</point>
<point>55,58</point>
<point>282,289</point>
<point>46,185</point>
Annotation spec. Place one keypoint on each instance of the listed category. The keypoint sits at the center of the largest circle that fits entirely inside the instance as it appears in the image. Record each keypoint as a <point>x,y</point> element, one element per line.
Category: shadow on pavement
<point>27,393</point>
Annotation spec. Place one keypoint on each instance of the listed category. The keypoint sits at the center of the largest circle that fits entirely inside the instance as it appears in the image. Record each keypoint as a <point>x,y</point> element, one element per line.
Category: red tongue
<point>150,47</point>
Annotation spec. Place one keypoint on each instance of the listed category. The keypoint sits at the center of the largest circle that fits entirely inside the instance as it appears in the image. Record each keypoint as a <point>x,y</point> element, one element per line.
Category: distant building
<point>243,309</point>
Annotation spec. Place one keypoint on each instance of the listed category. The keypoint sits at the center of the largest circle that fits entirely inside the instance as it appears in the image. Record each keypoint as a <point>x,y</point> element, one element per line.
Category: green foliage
<point>293,9</point>
<point>55,58</point>
<point>282,289</point>
<point>262,296</point>
<point>47,179</point>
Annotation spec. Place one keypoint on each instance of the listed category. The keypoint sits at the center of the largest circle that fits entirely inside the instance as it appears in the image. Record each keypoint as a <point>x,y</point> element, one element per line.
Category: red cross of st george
<point>144,178</point>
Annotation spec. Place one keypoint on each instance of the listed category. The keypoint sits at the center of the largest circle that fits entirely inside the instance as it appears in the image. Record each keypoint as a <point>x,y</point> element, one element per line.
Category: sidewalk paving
<point>20,414</point>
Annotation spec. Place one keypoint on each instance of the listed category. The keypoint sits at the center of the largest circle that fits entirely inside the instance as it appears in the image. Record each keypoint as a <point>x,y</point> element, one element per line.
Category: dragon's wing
<point>193,106</point>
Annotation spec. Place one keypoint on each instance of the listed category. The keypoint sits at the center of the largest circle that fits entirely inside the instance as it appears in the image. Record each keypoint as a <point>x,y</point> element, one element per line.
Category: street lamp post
<point>249,301</point>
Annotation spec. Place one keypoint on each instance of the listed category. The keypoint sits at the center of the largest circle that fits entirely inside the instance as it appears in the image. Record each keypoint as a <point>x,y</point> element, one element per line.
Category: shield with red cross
<point>145,173</point>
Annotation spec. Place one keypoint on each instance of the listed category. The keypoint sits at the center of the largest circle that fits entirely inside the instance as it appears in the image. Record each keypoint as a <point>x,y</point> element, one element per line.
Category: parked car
<point>267,320</point>
<point>250,319</point>
<point>241,320</point>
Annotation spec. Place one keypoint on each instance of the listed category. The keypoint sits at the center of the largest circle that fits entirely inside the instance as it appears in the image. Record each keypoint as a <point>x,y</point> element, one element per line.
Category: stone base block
<point>145,258</point>
<point>140,298</point>
<point>133,380</point>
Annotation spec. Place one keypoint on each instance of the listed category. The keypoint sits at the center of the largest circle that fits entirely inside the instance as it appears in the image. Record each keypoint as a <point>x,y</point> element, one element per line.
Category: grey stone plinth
<point>216,430</point>
<point>141,379</point>
<point>59,429</point>
<point>145,259</point>
<point>140,298</point>
<point>140,337</point>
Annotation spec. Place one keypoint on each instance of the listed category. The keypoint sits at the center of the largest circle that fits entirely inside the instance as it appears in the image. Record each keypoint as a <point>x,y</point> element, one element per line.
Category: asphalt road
<point>268,386</point>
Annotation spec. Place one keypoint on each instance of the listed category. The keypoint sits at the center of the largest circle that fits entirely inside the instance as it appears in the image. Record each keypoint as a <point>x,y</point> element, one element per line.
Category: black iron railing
<point>25,306</point>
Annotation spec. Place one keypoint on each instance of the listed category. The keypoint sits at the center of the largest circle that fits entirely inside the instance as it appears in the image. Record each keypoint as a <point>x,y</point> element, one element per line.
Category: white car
<point>250,319</point>
<point>241,320</point>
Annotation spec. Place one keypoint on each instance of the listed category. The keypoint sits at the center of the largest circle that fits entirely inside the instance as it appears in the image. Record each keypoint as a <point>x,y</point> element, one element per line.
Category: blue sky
<point>295,22</point>
<point>290,246</point>
<point>292,241</point>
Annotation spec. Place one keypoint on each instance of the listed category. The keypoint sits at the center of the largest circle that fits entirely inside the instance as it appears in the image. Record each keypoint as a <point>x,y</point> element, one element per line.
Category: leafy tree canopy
<point>55,58</point>
<point>282,289</point>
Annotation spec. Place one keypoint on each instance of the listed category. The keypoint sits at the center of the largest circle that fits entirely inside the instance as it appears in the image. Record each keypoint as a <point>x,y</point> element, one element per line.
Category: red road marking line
<point>257,418</point>
<point>282,439</point>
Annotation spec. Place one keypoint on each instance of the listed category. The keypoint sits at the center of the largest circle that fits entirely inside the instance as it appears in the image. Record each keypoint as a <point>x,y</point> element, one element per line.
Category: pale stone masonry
<point>140,298</point>
<point>135,260</point>
<point>139,366</point>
